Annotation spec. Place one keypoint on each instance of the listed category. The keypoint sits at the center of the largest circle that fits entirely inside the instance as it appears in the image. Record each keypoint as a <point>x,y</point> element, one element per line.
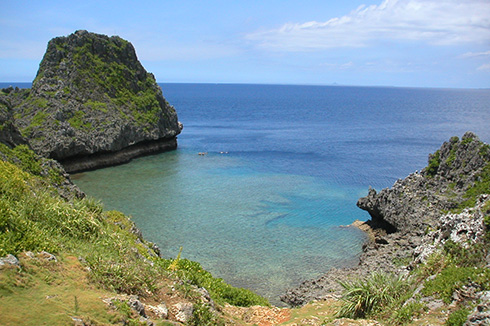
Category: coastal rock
<point>47,256</point>
<point>463,228</point>
<point>408,219</point>
<point>416,202</point>
<point>135,304</point>
<point>93,104</point>
<point>9,134</point>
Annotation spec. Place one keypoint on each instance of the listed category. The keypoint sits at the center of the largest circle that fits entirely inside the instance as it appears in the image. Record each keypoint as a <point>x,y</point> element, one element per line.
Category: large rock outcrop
<point>416,202</point>
<point>93,104</point>
<point>9,134</point>
<point>401,216</point>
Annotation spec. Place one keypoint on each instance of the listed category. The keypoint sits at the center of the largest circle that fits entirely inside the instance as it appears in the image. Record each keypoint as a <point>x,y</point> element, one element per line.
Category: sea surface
<point>267,206</point>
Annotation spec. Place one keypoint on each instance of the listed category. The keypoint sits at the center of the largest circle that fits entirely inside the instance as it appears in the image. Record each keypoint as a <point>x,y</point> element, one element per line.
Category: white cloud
<point>484,67</point>
<point>475,54</point>
<point>439,22</point>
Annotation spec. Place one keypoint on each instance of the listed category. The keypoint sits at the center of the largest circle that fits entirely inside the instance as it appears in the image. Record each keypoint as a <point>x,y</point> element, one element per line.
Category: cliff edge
<point>415,203</point>
<point>92,104</point>
<point>448,196</point>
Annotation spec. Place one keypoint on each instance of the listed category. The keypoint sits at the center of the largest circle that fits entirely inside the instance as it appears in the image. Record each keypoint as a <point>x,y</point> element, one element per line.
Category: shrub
<point>474,255</point>
<point>202,316</point>
<point>406,313</point>
<point>481,186</point>
<point>434,162</point>
<point>220,291</point>
<point>457,317</point>
<point>362,298</point>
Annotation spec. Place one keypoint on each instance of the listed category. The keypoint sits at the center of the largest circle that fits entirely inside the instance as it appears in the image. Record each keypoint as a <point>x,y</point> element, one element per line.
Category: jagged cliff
<point>93,104</point>
<point>438,209</point>
<point>416,202</point>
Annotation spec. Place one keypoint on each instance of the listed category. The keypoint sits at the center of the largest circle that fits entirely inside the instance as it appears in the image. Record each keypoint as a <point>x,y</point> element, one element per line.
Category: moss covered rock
<point>93,104</point>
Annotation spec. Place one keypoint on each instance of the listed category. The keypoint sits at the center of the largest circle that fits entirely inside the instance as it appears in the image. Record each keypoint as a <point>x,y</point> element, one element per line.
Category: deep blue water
<point>268,213</point>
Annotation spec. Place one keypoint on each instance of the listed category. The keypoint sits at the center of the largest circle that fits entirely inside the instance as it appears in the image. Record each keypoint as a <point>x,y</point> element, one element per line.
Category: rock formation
<point>416,202</point>
<point>403,215</point>
<point>9,134</point>
<point>93,104</point>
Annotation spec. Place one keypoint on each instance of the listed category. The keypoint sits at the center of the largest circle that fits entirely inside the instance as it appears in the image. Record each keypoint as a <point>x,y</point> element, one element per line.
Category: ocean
<point>268,206</point>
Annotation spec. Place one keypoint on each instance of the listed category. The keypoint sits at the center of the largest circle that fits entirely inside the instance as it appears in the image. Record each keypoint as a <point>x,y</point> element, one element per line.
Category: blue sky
<point>414,43</point>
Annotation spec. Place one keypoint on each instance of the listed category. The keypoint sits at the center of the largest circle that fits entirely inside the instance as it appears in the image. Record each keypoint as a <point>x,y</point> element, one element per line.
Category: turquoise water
<point>269,213</point>
<point>263,231</point>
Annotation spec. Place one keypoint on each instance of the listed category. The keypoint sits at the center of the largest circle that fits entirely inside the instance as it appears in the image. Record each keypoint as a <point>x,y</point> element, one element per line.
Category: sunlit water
<point>269,212</point>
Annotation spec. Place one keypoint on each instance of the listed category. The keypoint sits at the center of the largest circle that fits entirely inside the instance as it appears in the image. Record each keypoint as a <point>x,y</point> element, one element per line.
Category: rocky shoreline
<point>105,159</point>
<point>408,217</point>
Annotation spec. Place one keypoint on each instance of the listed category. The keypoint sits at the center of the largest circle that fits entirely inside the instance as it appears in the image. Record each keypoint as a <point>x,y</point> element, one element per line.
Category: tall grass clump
<point>367,297</point>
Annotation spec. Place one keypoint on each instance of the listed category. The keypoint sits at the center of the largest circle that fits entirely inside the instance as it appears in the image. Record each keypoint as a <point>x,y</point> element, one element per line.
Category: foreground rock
<point>402,215</point>
<point>93,104</point>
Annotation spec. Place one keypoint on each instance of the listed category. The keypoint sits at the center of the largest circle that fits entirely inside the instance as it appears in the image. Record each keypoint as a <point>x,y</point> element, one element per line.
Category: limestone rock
<point>416,202</point>
<point>161,310</point>
<point>463,228</point>
<point>93,104</point>
<point>182,311</point>
<point>135,304</point>
<point>480,316</point>
<point>9,134</point>
<point>47,256</point>
<point>9,261</point>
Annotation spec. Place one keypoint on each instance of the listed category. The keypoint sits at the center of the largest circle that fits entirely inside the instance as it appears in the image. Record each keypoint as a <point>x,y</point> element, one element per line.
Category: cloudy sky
<point>414,43</point>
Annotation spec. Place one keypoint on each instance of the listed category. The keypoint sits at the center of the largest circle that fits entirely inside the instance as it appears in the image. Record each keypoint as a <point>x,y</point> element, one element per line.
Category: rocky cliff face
<point>93,104</point>
<point>407,218</point>
<point>9,134</point>
<point>416,202</point>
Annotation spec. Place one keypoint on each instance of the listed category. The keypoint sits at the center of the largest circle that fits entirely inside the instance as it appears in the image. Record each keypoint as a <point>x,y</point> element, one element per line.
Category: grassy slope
<point>99,255</point>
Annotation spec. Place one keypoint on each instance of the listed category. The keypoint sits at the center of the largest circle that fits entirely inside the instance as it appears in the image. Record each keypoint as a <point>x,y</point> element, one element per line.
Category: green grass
<point>34,218</point>
<point>453,278</point>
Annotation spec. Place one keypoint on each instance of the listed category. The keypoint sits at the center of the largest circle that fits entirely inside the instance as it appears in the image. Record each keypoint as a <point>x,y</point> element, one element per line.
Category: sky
<point>405,43</point>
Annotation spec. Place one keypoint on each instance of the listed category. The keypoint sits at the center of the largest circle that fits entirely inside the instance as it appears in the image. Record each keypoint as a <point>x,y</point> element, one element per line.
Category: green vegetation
<point>34,218</point>
<point>481,186</point>
<point>193,273</point>
<point>373,296</point>
<point>484,150</point>
<point>452,154</point>
<point>77,121</point>
<point>37,121</point>
<point>453,278</point>
<point>434,163</point>
<point>96,105</point>
<point>105,73</point>
<point>458,317</point>
<point>202,316</point>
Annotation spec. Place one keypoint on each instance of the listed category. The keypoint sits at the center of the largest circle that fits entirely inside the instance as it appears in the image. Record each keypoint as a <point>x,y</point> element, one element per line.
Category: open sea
<point>266,208</point>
